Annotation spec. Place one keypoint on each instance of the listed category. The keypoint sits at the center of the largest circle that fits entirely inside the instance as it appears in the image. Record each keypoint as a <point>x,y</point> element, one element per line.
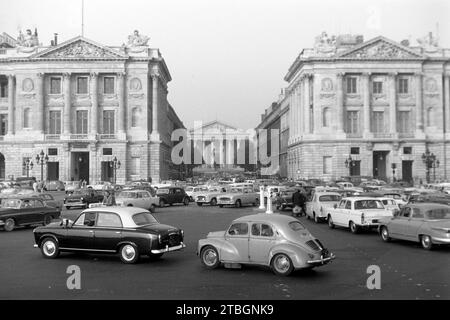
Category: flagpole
<point>82,18</point>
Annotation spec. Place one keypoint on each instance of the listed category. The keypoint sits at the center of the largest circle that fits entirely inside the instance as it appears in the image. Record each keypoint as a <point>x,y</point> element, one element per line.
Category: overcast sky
<point>227,58</point>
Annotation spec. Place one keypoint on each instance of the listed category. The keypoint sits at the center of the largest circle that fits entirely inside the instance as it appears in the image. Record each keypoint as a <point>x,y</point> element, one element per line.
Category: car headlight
<point>82,199</point>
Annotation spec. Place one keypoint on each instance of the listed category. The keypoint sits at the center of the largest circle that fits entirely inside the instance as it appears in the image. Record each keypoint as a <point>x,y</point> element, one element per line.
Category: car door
<point>107,232</point>
<point>237,237</point>
<point>179,195</point>
<point>262,238</point>
<point>397,225</point>
<point>39,210</point>
<point>81,234</point>
<point>413,224</point>
<point>26,213</point>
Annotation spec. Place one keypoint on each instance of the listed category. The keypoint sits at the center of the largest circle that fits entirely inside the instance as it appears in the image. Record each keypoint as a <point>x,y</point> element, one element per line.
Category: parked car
<point>128,231</point>
<point>320,203</point>
<point>54,185</point>
<point>25,181</point>
<point>210,196</point>
<point>274,240</point>
<point>396,196</point>
<point>24,211</point>
<point>71,186</point>
<point>82,198</point>
<point>192,192</point>
<point>284,198</point>
<point>100,186</point>
<point>137,198</point>
<point>46,197</point>
<point>238,197</point>
<point>390,204</point>
<point>357,213</point>
<point>427,223</point>
<point>172,195</point>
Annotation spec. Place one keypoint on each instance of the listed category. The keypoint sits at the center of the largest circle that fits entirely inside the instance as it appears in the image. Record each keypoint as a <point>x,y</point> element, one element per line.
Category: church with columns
<point>369,108</point>
<point>87,106</point>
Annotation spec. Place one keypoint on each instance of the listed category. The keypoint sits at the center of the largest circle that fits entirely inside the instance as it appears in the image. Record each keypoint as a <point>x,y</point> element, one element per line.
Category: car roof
<point>321,193</point>
<point>134,190</point>
<point>126,213</point>
<point>428,205</point>
<point>266,217</point>
<point>360,198</point>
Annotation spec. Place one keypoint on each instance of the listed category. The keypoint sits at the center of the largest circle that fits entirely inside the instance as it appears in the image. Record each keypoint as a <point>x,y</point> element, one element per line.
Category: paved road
<point>407,271</point>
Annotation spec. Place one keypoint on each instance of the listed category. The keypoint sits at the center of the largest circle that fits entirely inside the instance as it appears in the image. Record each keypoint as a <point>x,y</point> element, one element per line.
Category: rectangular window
<point>82,85</point>
<point>352,122</point>
<point>82,122</point>
<point>377,87</point>
<point>403,85</point>
<point>55,122</point>
<point>407,150</point>
<point>135,166</point>
<point>55,85</point>
<point>108,122</point>
<point>4,89</point>
<point>3,124</point>
<point>351,85</point>
<point>327,162</point>
<point>107,151</point>
<point>26,161</point>
<point>108,85</point>
<point>52,151</point>
<point>355,169</point>
<point>354,150</point>
<point>378,122</point>
<point>404,122</point>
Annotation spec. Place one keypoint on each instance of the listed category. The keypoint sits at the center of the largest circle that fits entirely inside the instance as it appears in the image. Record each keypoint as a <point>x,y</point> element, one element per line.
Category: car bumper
<point>322,260</point>
<point>74,204</point>
<point>2,223</point>
<point>168,249</point>
<point>228,202</point>
<point>35,246</point>
<point>437,240</point>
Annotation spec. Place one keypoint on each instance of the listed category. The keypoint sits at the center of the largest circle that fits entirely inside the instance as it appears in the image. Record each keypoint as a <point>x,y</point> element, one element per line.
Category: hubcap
<point>282,264</point>
<point>426,241</point>
<point>49,248</point>
<point>128,252</point>
<point>210,257</point>
<point>384,233</point>
<point>9,224</point>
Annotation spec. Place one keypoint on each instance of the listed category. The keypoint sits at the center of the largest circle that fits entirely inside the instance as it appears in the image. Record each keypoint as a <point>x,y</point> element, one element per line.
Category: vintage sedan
<point>48,199</point>
<point>137,198</point>
<point>238,197</point>
<point>274,240</point>
<point>128,231</point>
<point>320,203</point>
<point>427,223</point>
<point>83,198</point>
<point>210,196</point>
<point>192,192</point>
<point>25,211</point>
<point>172,195</point>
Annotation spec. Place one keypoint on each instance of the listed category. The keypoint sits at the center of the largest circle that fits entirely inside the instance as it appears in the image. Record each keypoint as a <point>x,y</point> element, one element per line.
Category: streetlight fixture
<point>430,161</point>
<point>27,165</point>
<point>115,164</point>
<point>42,159</point>
<point>349,163</point>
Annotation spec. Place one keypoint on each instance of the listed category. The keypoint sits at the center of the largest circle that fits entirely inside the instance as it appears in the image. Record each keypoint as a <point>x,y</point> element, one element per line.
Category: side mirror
<point>335,206</point>
<point>66,223</point>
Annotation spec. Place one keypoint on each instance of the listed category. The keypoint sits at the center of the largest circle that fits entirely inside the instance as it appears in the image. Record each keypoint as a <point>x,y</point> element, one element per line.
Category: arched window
<point>27,118</point>
<point>429,120</point>
<point>135,117</point>
<point>326,117</point>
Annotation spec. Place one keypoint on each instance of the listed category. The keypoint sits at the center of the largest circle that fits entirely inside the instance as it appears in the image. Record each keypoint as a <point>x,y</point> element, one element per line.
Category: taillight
<point>362,218</point>
<point>159,238</point>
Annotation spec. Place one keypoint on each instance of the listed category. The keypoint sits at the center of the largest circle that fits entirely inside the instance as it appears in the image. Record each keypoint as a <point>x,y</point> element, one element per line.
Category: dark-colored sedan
<point>171,195</point>
<point>83,198</point>
<point>127,231</point>
<point>25,211</point>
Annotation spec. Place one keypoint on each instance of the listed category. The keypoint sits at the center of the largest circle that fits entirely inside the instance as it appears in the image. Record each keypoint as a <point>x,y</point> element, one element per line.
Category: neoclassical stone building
<point>84,103</point>
<point>380,102</point>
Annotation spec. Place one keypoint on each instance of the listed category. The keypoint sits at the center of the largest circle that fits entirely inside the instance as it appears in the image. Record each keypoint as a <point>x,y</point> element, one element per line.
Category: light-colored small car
<point>390,204</point>
<point>192,192</point>
<point>274,240</point>
<point>210,196</point>
<point>397,198</point>
<point>427,223</point>
<point>321,201</point>
<point>137,198</point>
<point>238,197</point>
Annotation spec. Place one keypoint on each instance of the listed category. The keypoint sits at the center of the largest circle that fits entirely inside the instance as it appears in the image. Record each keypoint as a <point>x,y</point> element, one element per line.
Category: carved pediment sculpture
<point>380,50</point>
<point>28,39</point>
<point>137,40</point>
<point>80,49</point>
<point>325,44</point>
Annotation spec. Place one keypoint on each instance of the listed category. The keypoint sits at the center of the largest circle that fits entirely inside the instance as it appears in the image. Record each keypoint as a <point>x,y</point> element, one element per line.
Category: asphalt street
<point>407,271</point>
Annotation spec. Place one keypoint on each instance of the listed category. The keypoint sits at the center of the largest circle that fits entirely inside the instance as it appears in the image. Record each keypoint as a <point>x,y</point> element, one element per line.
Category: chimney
<point>56,39</point>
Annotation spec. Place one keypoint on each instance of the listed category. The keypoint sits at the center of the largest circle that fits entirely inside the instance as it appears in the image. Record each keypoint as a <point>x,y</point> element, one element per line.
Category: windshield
<point>144,218</point>
<point>11,203</point>
<point>330,197</point>
<point>127,194</point>
<point>296,226</point>
<point>162,191</point>
<point>79,192</point>
<point>236,190</point>
<point>441,213</point>
<point>368,204</point>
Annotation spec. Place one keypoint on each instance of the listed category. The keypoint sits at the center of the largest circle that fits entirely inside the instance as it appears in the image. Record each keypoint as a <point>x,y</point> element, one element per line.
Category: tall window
<point>403,85</point>
<point>326,117</point>
<point>3,89</point>
<point>135,117</point>
<point>24,169</point>
<point>82,85</point>
<point>352,122</point>
<point>377,87</point>
<point>351,85</point>
<point>55,122</point>
<point>135,166</point>
<point>108,121</point>
<point>108,85</point>
<point>82,122</point>
<point>378,122</point>
<point>404,122</point>
<point>55,85</point>
<point>3,124</point>
<point>327,162</point>
<point>27,118</point>
<point>429,120</point>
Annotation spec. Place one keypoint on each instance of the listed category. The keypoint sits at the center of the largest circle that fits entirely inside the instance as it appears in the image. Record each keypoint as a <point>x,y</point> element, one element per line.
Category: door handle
<point>91,231</point>
<point>118,232</point>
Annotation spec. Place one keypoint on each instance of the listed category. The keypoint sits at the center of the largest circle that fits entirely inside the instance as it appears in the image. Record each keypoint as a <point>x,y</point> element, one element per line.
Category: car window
<point>262,230</point>
<point>108,220</point>
<point>348,205</point>
<point>144,218</point>
<point>162,191</point>
<point>296,226</point>
<point>342,204</point>
<point>417,213</point>
<point>85,219</point>
<point>38,204</point>
<point>329,197</point>
<point>145,195</point>
<point>238,229</point>
<point>139,194</point>
<point>178,191</point>
<point>438,213</point>
<point>406,212</point>
<point>26,203</point>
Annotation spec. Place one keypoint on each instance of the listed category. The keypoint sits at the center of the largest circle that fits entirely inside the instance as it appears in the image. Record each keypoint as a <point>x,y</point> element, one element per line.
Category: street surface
<point>407,271</point>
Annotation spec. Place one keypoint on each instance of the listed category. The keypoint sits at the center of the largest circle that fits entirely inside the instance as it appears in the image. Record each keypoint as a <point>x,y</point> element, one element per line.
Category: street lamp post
<point>349,163</point>
<point>42,159</point>
<point>393,166</point>
<point>435,165</point>
<point>27,165</point>
<point>430,161</point>
<point>115,164</point>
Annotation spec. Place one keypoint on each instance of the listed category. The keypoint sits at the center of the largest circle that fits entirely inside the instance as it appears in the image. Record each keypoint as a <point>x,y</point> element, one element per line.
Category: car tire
<point>210,257</point>
<point>353,227</point>
<point>129,253</point>
<point>68,207</point>
<point>385,234</point>
<point>49,248</point>
<point>47,219</point>
<point>330,222</point>
<point>426,242</point>
<point>281,264</point>
<point>9,224</point>
<point>238,204</point>
<point>316,218</point>
<point>152,208</point>
<point>199,204</point>
<point>186,201</point>
<point>129,205</point>
<point>213,202</point>
<point>162,203</point>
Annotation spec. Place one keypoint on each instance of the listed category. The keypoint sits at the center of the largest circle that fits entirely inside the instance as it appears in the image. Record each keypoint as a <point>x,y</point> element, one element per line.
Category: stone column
<point>340,102</point>
<point>366,103</point>
<point>306,104</point>
<point>67,103</point>
<point>121,97</point>
<point>392,104</point>
<point>39,121</point>
<point>295,109</point>
<point>155,80</point>
<point>299,106</point>
<point>419,103</point>
<point>447,102</point>
<point>11,108</point>
<point>94,101</point>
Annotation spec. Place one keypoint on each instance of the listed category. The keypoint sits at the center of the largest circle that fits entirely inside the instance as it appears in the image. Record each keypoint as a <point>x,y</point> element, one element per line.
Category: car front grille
<point>200,198</point>
<point>312,245</point>
<point>224,199</point>
<point>171,240</point>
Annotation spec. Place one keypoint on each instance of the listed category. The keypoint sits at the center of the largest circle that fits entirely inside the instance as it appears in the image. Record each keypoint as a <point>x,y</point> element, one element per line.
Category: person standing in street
<point>298,201</point>
<point>109,199</point>
<point>35,186</point>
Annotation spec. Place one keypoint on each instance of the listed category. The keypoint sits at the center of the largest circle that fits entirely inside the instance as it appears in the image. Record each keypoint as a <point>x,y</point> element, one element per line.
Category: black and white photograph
<point>224,155</point>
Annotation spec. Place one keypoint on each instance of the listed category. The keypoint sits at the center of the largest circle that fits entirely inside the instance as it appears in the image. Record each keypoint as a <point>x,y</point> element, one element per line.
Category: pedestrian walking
<point>109,199</point>
<point>298,201</point>
<point>35,186</point>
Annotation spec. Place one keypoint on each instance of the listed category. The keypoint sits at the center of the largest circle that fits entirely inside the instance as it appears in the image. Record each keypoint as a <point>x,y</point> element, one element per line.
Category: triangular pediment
<point>79,48</point>
<point>381,48</point>
<point>214,126</point>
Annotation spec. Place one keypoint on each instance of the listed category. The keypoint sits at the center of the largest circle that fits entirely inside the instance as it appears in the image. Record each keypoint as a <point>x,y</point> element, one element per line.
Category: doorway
<point>407,170</point>
<point>80,166</point>
<point>52,170</point>
<point>107,171</point>
<point>379,164</point>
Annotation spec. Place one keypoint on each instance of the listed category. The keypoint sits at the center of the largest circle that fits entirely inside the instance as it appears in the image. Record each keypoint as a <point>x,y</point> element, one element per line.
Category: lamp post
<point>42,159</point>
<point>349,162</point>
<point>27,165</point>
<point>430,161</point>
<point>115,164</point>
<point>393,166</point>
<point>435,165</point>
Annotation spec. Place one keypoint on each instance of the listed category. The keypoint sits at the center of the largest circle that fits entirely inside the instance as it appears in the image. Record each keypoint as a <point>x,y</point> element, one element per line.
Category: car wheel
<point>186,201</point>
<point>129,205</point>
<point>213,202</point>
<point>426,242</point>
<point>162,203</point>
<point>47,219</point>
<point>385,234</point>
<point>68,207</point>
<point>330,222</point>
<point>49,248</point>
<point>238,204</point>
<point>152,208</point>
<point>316,218</point>
<point>282,265</point>
<point>220,205</point>
<point>199,204</point>
<point>353,227</point>
<point>129,253</point>
<point>210,257</point>
<point>9,224</point>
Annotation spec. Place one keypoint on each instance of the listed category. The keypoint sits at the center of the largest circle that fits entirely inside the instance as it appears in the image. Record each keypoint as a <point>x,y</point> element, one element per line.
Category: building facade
<point>83,104</point>
<point>378,104</point>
